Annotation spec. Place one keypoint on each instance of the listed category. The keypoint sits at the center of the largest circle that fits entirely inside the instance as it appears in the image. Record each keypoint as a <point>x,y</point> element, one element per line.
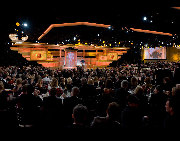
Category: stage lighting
<point>25,24</point>
<point>145,18</point>
<point>109,27</point>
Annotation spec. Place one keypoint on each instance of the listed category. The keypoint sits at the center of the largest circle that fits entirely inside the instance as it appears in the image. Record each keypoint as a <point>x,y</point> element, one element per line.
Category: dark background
<point>122,15</point>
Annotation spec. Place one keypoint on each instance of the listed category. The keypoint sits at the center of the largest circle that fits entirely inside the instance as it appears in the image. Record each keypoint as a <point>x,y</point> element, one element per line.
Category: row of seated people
<point>87,107</point>
<point>33,102</point>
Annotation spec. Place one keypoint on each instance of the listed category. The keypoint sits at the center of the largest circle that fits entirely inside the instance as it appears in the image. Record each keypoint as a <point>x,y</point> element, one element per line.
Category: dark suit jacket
<point>104,122</point>
<point>131,117</point>
<point>68,106</point>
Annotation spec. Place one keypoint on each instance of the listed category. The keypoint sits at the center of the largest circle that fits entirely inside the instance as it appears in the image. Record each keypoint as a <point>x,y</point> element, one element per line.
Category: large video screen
<point>155,53</point>
<point>112,56</point>
<point>38,55</point>
<point>71,59</point>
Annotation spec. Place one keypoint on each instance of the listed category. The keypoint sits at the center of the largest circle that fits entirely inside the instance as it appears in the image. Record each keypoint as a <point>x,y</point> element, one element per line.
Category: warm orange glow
<point>178,8</point>
<point>38,55</point>
<point>53,59</point>
<point>102,58</point>
<point>175,57</point>
<point>49,65</point>
<point>17,24</point>
<point>152,32</point>
<point>90,54</point>
<point>71,24</point>
<point>14,48</point>
<point>26,56</point>
<point>112,56</point>
<point>103,63</point>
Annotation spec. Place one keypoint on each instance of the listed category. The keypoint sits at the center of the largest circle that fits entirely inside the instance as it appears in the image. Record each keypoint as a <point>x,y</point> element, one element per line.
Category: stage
<point>68,56</point>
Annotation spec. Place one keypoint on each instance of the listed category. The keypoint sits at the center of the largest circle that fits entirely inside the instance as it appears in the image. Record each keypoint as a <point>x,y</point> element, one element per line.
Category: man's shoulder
<point>99,119</point>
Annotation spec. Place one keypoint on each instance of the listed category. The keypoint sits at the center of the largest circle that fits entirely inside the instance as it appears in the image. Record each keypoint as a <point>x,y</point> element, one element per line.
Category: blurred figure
<point>69,84</point>
<point>51,111</point>
<point>157,110</point>
<point>7,117</point>
<point>69,103</point>
<point>122,93</point>
<point>131,116</point>
<point>80,116</point>
<point>147,86</point>
<point>18,87</point>
<point>105,98</point>
<point>172,120</point>
<point>28,106</point>
<point>3,97</point>
<point>54,85</point>
<point>134,83</point>
<point>112,119</point>
<point>167,84</point>
<point>143,100</point>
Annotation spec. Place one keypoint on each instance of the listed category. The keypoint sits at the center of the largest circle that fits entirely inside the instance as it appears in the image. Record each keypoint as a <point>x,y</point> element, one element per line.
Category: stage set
<point>71,56</point>
<point>68,56</point>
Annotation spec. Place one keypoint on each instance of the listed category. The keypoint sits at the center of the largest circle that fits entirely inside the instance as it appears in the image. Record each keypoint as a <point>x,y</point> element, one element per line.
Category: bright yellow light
<point>175,57</point>
<point>17,24</point>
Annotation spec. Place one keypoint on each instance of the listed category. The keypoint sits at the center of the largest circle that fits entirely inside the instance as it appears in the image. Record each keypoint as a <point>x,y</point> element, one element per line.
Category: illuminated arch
<point>71,24</point>
<point>152,32</point>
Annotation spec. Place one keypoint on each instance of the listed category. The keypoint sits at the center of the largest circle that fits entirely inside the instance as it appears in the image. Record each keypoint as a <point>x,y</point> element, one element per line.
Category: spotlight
<point>145,18</point>
<point>25,24</point>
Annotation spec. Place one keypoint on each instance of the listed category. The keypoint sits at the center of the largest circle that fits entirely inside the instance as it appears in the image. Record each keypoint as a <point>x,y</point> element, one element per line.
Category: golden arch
<point>71,24</point>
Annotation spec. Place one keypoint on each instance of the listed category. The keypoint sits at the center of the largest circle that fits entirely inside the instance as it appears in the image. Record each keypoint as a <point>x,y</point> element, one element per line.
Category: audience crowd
<point>128,96</point>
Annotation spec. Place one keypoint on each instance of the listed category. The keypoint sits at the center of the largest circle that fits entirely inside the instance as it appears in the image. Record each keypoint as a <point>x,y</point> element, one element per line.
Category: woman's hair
<point>69,80</point>
<point>134,81</point>
<point>90,82</point>
<point>18,81</point>
<point>138,90</point>
<point>147,80</point>
<point>54,83</point>
<point>1,86</point>
<point>159,89</point>
<point>113,110</point>
<point>75,91</point>
<point>39,81</point>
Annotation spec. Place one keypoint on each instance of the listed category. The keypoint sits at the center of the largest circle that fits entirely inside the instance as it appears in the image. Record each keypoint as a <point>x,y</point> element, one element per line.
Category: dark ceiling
<point>120,14</point>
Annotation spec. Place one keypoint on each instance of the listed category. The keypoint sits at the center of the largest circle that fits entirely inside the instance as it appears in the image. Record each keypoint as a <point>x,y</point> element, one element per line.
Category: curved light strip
<point>72,24</point>
<point>178,8</point>
<point>152,32</point>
